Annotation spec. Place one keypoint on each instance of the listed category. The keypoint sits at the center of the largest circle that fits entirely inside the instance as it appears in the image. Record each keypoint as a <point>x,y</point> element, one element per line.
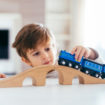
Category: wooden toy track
<point>38,75</point>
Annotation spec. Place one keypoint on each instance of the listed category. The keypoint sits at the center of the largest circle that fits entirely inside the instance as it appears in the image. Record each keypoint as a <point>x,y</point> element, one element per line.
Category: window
<point>4,44</point>
<point>94,25</point>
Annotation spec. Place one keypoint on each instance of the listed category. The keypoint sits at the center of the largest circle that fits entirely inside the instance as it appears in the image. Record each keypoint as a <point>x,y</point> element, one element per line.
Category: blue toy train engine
<point>67,59</point>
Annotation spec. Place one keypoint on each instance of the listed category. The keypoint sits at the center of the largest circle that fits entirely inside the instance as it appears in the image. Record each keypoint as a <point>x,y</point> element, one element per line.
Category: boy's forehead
<point>42,45</point>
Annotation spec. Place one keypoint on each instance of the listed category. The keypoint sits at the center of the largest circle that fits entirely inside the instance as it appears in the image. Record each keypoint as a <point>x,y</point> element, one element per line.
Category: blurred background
<point>73,22</point>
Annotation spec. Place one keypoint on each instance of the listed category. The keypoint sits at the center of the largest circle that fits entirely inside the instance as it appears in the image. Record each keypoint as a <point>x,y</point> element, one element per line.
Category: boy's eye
<point>36,54</point>
<point>47,49</point>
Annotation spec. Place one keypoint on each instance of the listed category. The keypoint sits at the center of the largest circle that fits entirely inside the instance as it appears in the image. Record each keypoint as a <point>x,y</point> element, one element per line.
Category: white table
<point>54,94</point>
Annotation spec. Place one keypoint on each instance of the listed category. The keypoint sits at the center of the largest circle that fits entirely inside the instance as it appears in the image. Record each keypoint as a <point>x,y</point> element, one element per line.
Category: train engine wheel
<point>103,75</point>
<point>63,62</point>
<point>77,67</point>
<point>70,64</point>
<point>97,75</point>
<point>87,72</point>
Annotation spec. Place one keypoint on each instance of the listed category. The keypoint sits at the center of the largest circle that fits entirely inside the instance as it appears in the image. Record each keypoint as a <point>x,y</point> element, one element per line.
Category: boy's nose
<point>44,55</point>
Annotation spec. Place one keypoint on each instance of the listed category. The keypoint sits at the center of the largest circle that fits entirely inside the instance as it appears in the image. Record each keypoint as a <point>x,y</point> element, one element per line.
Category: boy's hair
<point>29,37</point>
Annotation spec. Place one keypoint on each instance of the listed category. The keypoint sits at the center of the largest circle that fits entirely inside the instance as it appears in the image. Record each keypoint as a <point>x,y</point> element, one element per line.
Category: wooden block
<point>39,73</point>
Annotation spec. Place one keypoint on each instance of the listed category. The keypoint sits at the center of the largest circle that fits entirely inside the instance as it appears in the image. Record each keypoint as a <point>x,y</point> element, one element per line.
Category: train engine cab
<point>67,59</point>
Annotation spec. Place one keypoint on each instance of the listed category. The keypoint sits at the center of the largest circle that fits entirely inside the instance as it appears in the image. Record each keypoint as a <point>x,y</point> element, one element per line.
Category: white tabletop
<point>54,94</point>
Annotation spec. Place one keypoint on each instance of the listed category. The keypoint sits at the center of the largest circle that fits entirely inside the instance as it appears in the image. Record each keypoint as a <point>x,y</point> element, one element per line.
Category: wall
<point>31,11</point>
<point>77,22</point>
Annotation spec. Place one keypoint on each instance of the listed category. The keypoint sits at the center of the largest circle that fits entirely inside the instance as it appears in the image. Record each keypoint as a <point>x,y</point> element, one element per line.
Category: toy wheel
<point>96,75</point>
<point>102,77</point>
<point>70,64</point>
<point>76,67</point>
<point>87,72</point>
<point>63,62</point>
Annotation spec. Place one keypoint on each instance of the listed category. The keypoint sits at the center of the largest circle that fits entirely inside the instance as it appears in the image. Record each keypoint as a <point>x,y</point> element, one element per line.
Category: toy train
<point>86,66</point>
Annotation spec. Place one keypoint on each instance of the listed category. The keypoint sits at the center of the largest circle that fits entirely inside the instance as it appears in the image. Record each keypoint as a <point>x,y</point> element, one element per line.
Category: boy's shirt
<point>99,60</point>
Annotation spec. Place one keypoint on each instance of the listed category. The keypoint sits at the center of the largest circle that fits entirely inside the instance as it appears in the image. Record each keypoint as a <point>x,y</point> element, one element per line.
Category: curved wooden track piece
<point>38,75</point>
<point>66,75</point>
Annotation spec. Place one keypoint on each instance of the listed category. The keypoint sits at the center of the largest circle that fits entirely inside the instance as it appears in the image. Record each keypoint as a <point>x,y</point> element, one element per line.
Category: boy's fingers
<point>73,50</point>
<point>87,53</point>
<point>77,53</point>
<point>2,75</point>
<point>81,54</point>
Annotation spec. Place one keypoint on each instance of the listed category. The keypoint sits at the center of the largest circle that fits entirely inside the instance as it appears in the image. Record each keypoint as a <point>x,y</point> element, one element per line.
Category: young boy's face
<point>42,55</point>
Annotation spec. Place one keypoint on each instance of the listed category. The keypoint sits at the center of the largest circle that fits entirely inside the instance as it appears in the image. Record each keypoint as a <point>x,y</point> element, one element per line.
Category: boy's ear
<point>26,61</point>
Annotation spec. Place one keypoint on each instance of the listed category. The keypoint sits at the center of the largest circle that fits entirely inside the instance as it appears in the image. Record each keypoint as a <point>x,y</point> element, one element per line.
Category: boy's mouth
<point>48,62</point>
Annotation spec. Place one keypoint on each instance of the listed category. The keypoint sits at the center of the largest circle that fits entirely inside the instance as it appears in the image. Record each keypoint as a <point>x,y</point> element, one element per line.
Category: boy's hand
<point>80,51</point>
<point>2,75</point>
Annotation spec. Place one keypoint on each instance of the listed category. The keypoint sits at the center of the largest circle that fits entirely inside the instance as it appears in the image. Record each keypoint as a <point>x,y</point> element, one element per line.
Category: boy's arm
<point>93,54</point>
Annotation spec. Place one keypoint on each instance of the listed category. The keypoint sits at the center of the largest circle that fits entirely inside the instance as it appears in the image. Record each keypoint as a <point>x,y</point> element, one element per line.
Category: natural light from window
<point>95,22</point>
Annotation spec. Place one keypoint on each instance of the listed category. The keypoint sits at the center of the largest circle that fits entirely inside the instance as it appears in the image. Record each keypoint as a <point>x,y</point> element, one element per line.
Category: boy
<point>36,46</point>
